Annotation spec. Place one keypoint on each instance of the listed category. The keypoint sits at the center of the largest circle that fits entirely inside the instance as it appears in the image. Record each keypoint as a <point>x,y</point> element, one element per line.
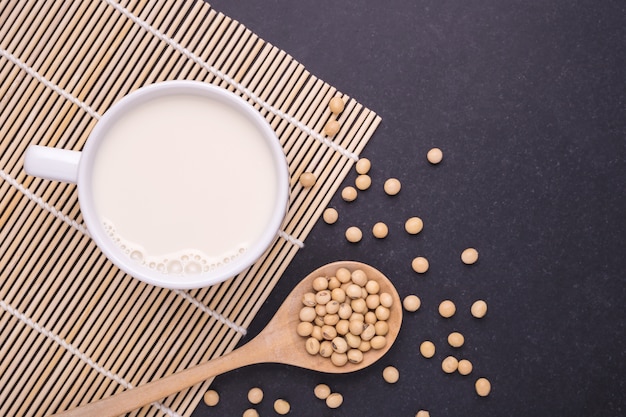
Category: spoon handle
<point>134,398</point>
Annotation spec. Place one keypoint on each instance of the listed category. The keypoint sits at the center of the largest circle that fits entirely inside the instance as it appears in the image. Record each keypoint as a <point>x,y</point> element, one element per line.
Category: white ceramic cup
<point>77,167</point>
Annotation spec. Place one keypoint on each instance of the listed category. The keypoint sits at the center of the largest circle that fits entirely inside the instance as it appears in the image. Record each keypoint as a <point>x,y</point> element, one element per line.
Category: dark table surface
<point>528,102</point>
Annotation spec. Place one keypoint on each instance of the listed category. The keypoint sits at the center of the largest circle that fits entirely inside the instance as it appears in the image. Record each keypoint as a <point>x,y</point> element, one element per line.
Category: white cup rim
<point>110,248</point>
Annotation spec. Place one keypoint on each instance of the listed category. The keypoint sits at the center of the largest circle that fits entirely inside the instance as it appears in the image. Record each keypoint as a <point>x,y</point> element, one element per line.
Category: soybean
<point>211,398</point>
<point>255,395</point>
<point>359,277</point>
<point>349,193</point>
<point>447,309</point>
<point>307,179</point>
<point>304,328</point>
<point>330,215</point>
<point>422,413</point>
<point>434,156</point>
<point>333,283</point>
<point>378,342</point>
<point>330,319</point>
<point>372,287</point>
<point>456,339</point>
<point>281,406</point>
<point>354,234</point>
<point>363,182</point>
<point>321,391</point>
<point>380,230</point>
<point>391,375</point>
<point>307,314</point>
<point>386,299</point>
<point>336,105</point>
<point>382,328</point>
<point>332,307</point>
<point>320,284</point>
<point>392,186</point>
<point>411,303</point>
<point>317,333</point>
<point>308,299</point>
<point>332,127</point>
<point>449,364</point>
<point>250,412</point>
<point>340,345</point>
<point>353,341</point>
<point>329,332</point>
<point>413,225</point>
<point>363,166</point>
<point>465,367</point>
<point>339,359</point>
<point>345,311</point>
<point>365,346</point>
<point>337,294</point>
<point>353,291</point>
<point>479,309</point>
<point>326,349</point>
<point>469,256</point>
<point>483,387</point>
<point>355,356</point>
<point>420,265</point>
<point>334,400</point>
<point>312,346</point>
<point>427,349</point>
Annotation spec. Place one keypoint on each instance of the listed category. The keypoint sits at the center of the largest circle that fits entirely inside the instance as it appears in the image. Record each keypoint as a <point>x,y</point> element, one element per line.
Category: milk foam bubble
<point>181,263</point>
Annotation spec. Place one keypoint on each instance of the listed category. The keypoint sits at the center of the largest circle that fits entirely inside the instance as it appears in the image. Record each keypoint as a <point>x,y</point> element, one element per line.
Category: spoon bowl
<point>278,342</point>
<point>289,347</point>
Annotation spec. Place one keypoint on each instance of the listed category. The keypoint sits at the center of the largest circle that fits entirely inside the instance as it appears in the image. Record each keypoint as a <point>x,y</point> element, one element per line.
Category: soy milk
<point>184,184</point>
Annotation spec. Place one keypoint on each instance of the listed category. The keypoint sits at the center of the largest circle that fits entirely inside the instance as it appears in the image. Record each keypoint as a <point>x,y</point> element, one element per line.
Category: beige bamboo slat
<point>97,55</point>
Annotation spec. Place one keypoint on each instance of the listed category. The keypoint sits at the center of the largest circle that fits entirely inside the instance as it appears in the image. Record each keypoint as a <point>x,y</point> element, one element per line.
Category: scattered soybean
<point>391,375</point>
<point>281,406</point>
<point>411,303</point>
<point>450,364</point>
<point>349,193</point>
<point>334,400</point>
<point>363,166</point>
<point>392,186</point>
<point>330,215</point>
<point>420,265</point>
<point>354,234</point>
<point>465,367</point>
<point>336,105</point>
<point>427,349</point>
<point>363,182</point>
<point>307,179</point>
<point>479,309</point>
<point>483,387</point>
<point>332,127</point>
<point>321,391</point>
<point>447,309</point>
<point>456,339</point>
<point>211,398</point>
<point>250,412</point>
<point>380,230</point>
<point>434,156</point>
<point>413,225</point>
<point>469,256</point>
<point>255,395</point>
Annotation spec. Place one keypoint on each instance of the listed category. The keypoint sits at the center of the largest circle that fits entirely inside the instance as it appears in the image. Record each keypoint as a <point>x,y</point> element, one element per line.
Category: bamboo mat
<point>73,328</point>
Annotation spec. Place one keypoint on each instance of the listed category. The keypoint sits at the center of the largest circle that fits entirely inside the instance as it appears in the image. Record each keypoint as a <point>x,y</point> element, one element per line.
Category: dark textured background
<point>528,102</point>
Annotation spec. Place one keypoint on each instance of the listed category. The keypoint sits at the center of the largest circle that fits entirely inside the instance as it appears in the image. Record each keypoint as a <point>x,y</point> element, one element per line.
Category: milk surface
<point>184,183</point>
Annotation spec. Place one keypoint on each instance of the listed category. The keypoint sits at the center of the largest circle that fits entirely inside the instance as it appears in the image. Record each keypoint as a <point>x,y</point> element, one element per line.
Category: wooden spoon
<point>277,343</point>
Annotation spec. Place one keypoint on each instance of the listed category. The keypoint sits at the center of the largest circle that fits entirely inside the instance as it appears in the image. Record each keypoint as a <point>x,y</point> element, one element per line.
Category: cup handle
<point>52,163</point>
